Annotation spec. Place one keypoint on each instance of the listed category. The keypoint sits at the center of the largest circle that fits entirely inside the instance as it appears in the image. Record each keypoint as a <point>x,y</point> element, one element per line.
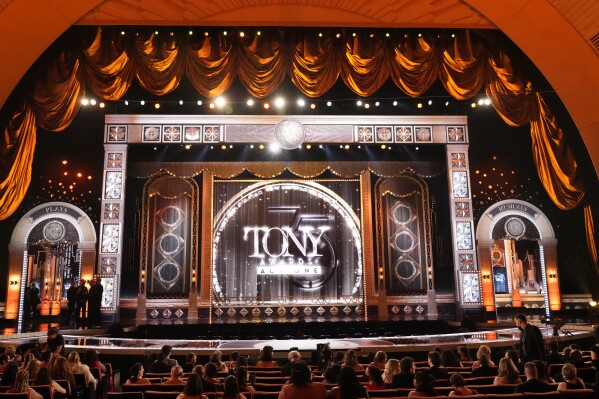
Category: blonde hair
<point>74,357</point>
<point>21,382</point>
<point>391,367</point>
<point>350,358</point>
<point>176,371</point>
<point>569,372</point>
<point>483,350</point>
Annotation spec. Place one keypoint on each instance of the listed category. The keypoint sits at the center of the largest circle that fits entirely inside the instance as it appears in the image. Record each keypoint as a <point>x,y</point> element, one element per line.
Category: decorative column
<point>467,273</point>
<point>486,269</point>
<point>548,259</point>
<point>113,215</point>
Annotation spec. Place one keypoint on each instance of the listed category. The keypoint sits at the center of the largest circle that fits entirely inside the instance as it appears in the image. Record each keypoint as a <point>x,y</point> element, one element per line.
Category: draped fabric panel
<point>465,65</point>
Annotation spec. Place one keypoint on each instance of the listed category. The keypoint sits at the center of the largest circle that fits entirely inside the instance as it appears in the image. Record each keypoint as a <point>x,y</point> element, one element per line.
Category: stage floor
<point>82,340</point>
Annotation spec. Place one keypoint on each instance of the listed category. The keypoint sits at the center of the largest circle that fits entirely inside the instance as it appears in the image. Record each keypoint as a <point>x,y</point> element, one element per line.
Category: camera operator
<point>531,337</point>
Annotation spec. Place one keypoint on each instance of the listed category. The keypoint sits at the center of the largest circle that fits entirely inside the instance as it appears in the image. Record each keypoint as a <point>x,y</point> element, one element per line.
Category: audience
<point>507,373</point>
<point>137,375</point>
<point>348,386</point>
<point>216,358</point>
<point>459,386</point>
<point>231,389</point>
<point>483,350</point>
<point>10,373</point>
<point>380,359</point>
<point>554,357</point>
<point>167,349</point>
<point>576,359</point>
<point>61,371</point>
<point>391,369</point>
<point>542,373</point>
<point>424,384</point>
<point>199,370</point>
<point>160,365</point>
<point>293,357</point>
<point>3,362</point>
<point>193,388</point>
<point>405,377</point>
<point>175,378</point>
<point>21,385</point>
<point>435,369</point>
<point>331,374</point>
<point>266,358</point>
<point>44,378</point>
<point>375,379</point>
<point>571,381</point>
<point>515,358</point>
<point>301,386</point>
<point>243,380</point>
<point>449,359</point>
<point>232,363</point>
<point>351,360</point>
<point>532,384</point>
<point>463,353</point>
<point>190,362</point>
<point>76,367</point>
<point>211,383</point>
<point>484,369</point>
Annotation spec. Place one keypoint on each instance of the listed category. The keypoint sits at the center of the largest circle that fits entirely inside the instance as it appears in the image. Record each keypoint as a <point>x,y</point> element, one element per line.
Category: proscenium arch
<point>572,67</point>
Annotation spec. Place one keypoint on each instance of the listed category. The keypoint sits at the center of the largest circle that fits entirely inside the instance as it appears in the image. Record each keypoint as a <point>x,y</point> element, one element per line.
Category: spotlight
<point>206,34</point>
<point>225,33</point>
<point>430,102</point>
<point>319,34</point>
<point>155,32</point>
<point>220,102</point>
<point>347,147</point>
<point>329,103</point>
<point>481,101</point>
<point>376,104</point>
<point>157,105</point>
<point>231,146</point>
<point>366,105</point>
<point>359,103</point>
<point>250,102</point>
<point>266,106</point>
<point>487,101</point>
<point>258,33</point>
<point>64,162</point>
<point>383,146</point>
<point>126,102</point>
<point>211,105</point>
<point>85,101</point>
<point>301,102</point>
<point>122,33</point>
<point>320,146</point>
<point>187,146</point>
<point>79,174</point>
<point>354,34</point>
<point>200,102</point>
<point>223,147</point>
<point>241,34</point>
<point>419,105</point>
<point>446,103</point>
<point>340,145</point>
<point>251,146</point>
<point>92,101</point>
<point>279,102</point>
<point>417,148</point>
<point>261,146</point>
<point>274,147</point>
<point>338,35</point>
<point>395,103</point>
<point>142,102</point>
<point>190,32</point>
<point>473,105</point>
<point>387,34</point>
<point>308,146</point>
<point>102,105</point>
<point>313,106</point>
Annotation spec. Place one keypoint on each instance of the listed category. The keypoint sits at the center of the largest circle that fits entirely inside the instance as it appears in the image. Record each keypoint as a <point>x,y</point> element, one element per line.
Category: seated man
<point>293,356</point>
<point>435,369</point>
<point>532,384</point>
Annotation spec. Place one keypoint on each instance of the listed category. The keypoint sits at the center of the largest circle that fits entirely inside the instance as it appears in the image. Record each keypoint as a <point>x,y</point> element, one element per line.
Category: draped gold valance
<point>464,64</point>
<point>271,169</point>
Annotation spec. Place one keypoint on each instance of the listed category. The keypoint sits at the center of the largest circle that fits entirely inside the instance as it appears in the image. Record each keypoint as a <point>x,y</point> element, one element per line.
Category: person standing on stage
<point>33,299</point>
<point>71,300</point>
<point>81,298</point>
<point>531,337</point>
<point>95,302</point>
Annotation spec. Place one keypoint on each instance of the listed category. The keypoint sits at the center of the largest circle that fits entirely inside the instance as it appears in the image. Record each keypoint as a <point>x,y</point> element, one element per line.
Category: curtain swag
<point>465,65</point>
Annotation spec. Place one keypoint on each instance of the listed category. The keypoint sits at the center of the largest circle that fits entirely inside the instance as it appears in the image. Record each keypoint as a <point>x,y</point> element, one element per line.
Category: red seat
<point>5,395</point>
<point>382,393</point>
<point>577,394</point>
<point>543,395</point>
<point>160,395</point>
<point>125,395</point>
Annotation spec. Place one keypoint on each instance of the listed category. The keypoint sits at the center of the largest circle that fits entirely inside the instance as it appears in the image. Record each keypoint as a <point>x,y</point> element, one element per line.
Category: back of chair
<point>505,396</point>
<point>137,387</point>
<point>578,394</point>
<point>587,374</point>
<point>493,389</point>
<point>65,384</point>
<point>382,393</point>
<point>543,395</point>
<point>6,395</point>
<point>45,390</point>
<point>268,387</point>
<point>160,395</point>
<point>125,395</point>
<point>168,387</point>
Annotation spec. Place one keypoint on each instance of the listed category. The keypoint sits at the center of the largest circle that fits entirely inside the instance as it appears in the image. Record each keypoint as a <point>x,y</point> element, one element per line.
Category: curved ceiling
<point>555,34</point>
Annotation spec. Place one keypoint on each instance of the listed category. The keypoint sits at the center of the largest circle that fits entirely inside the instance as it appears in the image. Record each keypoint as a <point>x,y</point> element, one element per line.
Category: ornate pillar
<point>548,252</point>
<point>486,270</point>
<point>467,274</point>
<point>113,213</point>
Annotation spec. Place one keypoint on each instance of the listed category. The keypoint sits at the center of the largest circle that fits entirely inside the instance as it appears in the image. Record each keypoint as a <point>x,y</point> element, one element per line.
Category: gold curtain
<point>465,65</point>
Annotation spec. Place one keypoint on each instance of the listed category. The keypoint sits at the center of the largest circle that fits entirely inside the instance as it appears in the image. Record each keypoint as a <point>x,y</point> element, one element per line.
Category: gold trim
<point>206,241</point>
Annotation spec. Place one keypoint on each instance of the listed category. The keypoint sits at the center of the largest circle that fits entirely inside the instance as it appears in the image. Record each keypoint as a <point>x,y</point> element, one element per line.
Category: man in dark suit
<point>435,369</point>
<point>532,384</point>
<point>531,337</point>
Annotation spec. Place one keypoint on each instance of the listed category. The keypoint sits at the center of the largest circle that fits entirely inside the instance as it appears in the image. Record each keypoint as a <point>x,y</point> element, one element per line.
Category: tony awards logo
<point>302,251</point>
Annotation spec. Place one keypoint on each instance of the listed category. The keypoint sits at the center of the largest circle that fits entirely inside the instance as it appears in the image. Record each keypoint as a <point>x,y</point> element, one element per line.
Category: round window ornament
<point>54,231</point>
<point>515,228</point>
<point>290,134</point>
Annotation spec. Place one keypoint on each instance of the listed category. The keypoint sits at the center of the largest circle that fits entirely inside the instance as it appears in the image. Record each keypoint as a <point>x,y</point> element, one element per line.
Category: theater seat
<point>505,396</point>
<point>544,395</point>
<point>160,395</point>
<point>5,395</point>
<point>578,394</point>
<point>382,393</point>
<point>125,395</point>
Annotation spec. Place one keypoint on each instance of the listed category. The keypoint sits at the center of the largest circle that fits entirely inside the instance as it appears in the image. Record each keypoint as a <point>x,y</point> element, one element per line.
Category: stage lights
<point>359,103</point>
<point>85,101</point>
<point>220,102</point>
<point>142,102</point>
<point>250,102</point>
<point>157,105</point>
<point>280,102</point>
<point>301,102</point>
<point>274,148</point>
<point>200,102</point>
<point>312,106</point>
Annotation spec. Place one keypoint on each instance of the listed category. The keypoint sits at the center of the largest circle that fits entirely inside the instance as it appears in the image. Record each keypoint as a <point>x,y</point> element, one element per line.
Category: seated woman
<point>463,353</point>
<point>348,386</point>
<point>243,380</point>
<point>300,385</point>
<point>61,371</point>
<point>137,375</point>
<point>175,379</point>
<point>449,359</point>
<point>231,389</point>
<point>380,360</point>
<point>216,358</point>
<point>193,388</point>
<point>43,378</point>
<point>459,386</point>
<point>543,374</point>
<point>92,360</point>
<point>76,367</point>
<point>21,385</point>
<point>424,384</point>
<point>507,373</point>
<point>331,374</point>
<point>375,379</point>
<point>266,358</point>
<point>391,368</point>
<point>483,350</point>
<point>571,381</point>
<point>351,360</point>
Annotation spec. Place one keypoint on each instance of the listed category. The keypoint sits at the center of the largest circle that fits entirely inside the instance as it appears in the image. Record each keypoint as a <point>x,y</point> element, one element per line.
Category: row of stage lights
<point>279,103</point>
<point>337,35</point>
<point>274,147</point>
